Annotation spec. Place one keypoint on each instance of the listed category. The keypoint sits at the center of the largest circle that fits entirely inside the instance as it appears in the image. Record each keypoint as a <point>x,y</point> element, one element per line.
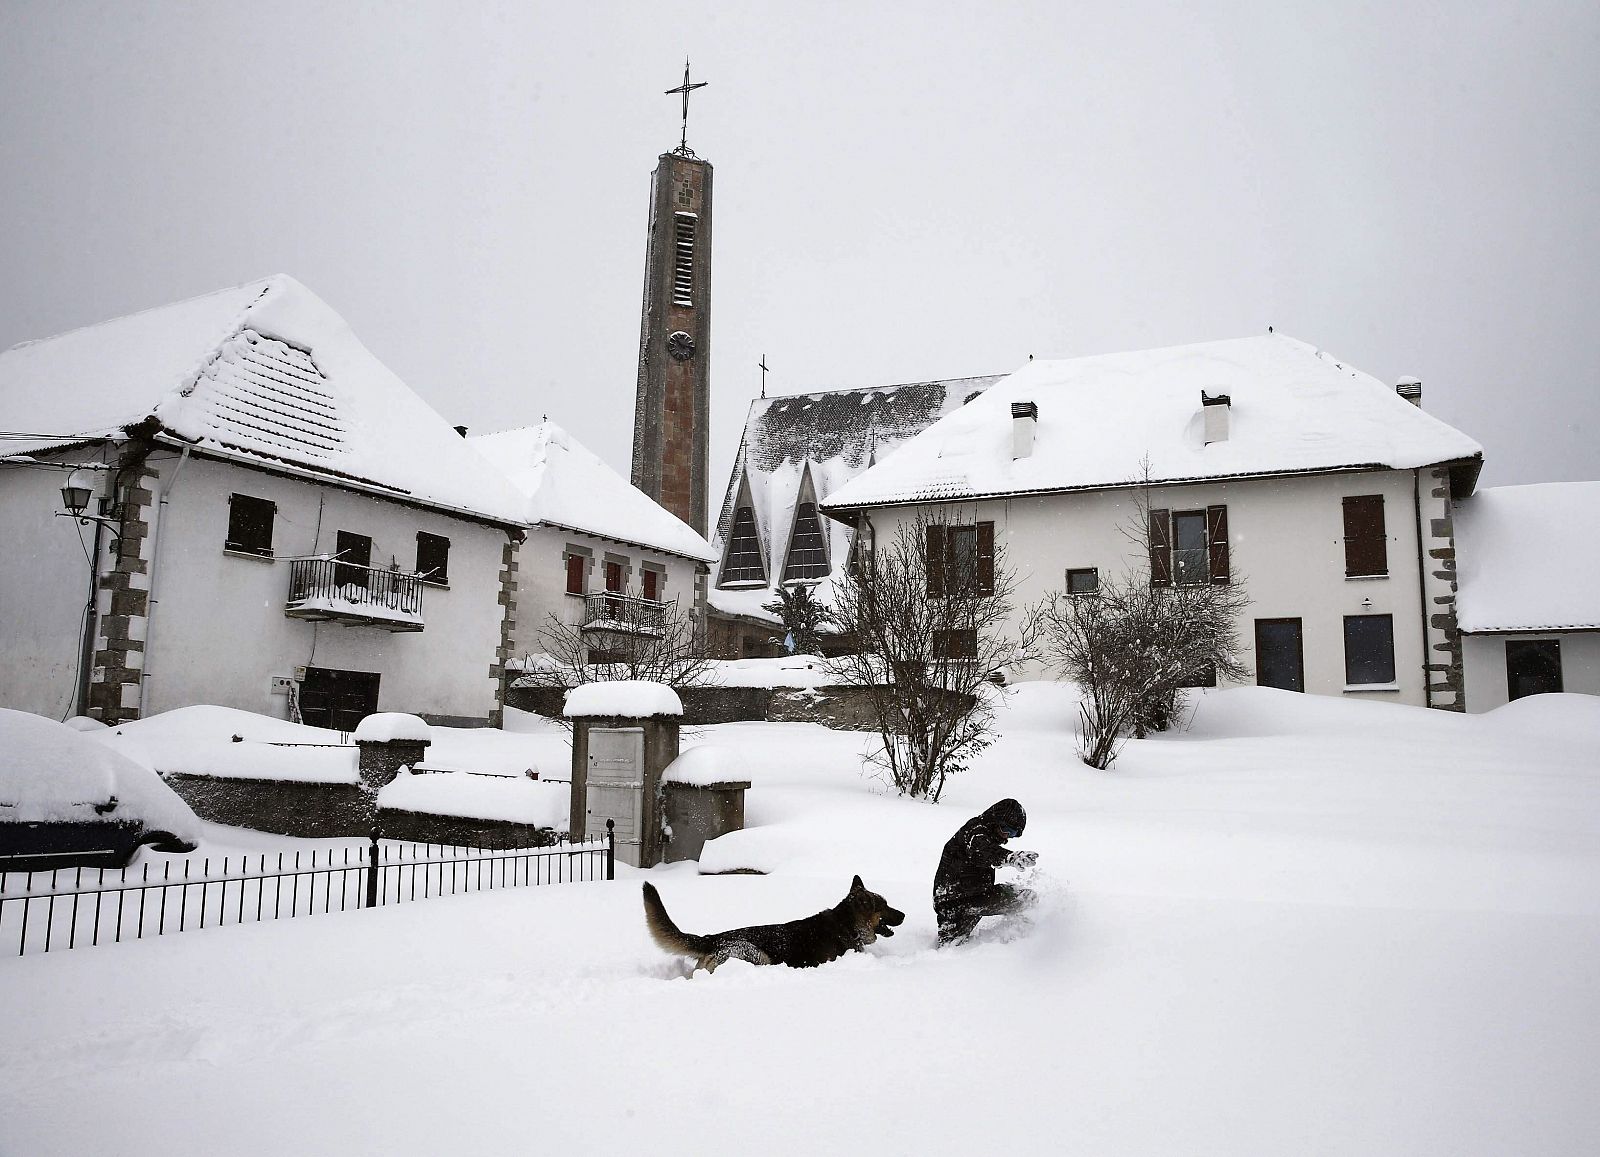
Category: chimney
<point>1410,389</point>
<point>462,430</point>
<point>1217,408</point>
<point>1024,417</point>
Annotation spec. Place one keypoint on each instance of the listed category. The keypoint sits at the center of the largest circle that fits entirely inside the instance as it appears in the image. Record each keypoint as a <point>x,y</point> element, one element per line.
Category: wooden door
<point>1280,656</point>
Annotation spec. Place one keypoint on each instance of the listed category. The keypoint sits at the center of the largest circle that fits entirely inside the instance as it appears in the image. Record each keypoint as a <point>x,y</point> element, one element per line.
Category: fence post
<point>372,870</point>
<point>611,849</point>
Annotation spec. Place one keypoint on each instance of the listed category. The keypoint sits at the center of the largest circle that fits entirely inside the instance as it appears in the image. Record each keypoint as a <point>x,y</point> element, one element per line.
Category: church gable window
<point>808,555</point>
<point>743,562</point>
<point>683,230</point>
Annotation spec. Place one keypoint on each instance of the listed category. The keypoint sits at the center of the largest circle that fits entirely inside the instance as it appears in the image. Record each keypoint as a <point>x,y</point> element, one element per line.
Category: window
<point>575,568</point>
<point>1368,649</point>
<point>250,525</point>
<point>613,577</point>
<point>1366,546</point>
<point>433,557</point>
<point>808,557</point>
<point>743,564</point>
<point>683,259</point>
<point>354,552</point>
<point>1189,547</point>
<point>960,560</point>
<point>1533,667</point>
<point>652,585</point>
<point>1083,581</point>
<point>960,643</point>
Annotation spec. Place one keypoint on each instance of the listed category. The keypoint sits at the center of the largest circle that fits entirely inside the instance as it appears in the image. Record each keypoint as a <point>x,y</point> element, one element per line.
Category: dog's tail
<point>666,934</point>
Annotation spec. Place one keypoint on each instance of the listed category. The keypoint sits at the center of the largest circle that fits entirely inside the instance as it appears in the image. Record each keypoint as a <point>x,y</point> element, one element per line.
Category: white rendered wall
<point>218,633</point>
<point>542,580</point>
<point>1286,543</point>
<point>44,587</point>
<point>1484,660</point>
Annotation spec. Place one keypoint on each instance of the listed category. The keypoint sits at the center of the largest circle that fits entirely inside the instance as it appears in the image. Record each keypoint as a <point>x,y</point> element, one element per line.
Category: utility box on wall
<point>624,735</point>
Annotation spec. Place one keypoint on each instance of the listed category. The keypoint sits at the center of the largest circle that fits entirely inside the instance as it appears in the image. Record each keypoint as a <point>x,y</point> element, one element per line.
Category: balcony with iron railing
<point>324,589</point>
<point>622,614</point>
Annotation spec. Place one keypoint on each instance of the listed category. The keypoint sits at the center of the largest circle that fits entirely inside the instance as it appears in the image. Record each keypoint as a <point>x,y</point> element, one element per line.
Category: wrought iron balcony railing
<point>622,614</point>
<point>323,589</point>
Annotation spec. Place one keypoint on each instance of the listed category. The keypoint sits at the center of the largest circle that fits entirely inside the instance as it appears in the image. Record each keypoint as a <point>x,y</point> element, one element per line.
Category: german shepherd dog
<point>849,926</point>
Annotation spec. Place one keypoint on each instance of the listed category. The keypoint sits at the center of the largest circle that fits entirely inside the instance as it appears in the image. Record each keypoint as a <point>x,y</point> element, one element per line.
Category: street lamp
<point>75,497</point>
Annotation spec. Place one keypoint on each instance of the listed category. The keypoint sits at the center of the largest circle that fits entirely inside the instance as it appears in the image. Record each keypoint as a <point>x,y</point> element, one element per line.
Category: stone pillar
<point>627,754</point>
<point>381,760</point>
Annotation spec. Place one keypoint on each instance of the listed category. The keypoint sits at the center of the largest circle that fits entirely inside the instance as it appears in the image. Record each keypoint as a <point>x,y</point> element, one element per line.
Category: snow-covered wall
<point>219,634</point>
<point>1484,657</point>
<point>1286,543</point>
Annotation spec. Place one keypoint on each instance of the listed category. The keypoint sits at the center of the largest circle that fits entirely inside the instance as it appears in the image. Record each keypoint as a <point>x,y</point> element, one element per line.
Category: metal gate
<point>616,787</point>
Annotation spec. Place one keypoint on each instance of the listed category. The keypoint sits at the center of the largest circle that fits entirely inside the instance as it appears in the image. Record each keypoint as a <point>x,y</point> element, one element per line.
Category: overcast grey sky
<point>903,191</point>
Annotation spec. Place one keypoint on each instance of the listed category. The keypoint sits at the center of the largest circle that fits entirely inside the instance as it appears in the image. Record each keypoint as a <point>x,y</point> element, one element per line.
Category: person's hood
<point>1007,816</point>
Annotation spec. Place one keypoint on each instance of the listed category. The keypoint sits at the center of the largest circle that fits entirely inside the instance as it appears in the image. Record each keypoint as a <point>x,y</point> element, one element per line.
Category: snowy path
<point>1351,939</point>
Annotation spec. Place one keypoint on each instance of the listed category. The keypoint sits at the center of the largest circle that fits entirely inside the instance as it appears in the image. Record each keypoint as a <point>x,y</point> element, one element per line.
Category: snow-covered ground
<point>1303,926</point>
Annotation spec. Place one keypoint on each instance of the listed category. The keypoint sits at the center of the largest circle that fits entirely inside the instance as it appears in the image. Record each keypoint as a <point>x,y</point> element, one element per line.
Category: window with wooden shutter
<point>250,525</point>
<point>1161,548</point>
<point>433,557</point>
<point>575,567</point>
<point>935,561</point>
<point>956,643</point>
<point>1217,536</point>
<point>1366,543</point>
<point>986,558</point>
<point>613,577</point>
<point>652,585</point>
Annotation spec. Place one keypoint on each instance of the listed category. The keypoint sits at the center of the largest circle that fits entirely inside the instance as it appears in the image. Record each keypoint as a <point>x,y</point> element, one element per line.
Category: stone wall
<point>309,810</point>
<point>423,828</point>
<point>701,705</point>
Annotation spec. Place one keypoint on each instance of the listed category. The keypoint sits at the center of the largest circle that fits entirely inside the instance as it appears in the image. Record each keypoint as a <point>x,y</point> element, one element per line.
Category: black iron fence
<point>81,907</point>
<point>327,588</point>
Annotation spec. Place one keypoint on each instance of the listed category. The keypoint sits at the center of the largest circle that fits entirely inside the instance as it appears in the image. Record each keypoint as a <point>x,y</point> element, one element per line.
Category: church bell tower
<point>671,419</point>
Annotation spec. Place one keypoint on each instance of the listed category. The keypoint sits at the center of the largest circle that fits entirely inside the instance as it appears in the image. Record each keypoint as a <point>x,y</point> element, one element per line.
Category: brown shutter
<point>935,561</point>
<point>1217,536</point>
<point>986,558</point>
<point>1366,542</point>
<point>1161,548</point>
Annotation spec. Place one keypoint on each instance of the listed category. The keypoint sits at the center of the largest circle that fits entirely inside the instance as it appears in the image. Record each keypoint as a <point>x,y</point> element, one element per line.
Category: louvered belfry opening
<point>808,556</point>
<point>683,259</point>
<point>744,552</point>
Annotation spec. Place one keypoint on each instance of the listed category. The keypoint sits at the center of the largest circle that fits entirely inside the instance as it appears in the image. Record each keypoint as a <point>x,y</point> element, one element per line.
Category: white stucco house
<point>284,526</point>
<point>1529,604</point>
<point>600,555</point>
<point>1329,494</point>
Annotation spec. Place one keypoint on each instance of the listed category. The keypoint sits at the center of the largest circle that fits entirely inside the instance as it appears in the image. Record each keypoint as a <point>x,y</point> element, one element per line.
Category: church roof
<point>832,435</point>
<point>1522,563</point>
<point>1101,420</point>
<point>265,373</point>
<point>565,484</point>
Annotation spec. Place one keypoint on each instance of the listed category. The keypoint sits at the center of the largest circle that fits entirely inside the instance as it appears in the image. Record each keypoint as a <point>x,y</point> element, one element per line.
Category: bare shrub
<point>928,611</point>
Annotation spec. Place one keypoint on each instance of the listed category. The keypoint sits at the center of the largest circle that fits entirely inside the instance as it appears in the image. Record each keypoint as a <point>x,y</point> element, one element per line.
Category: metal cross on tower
<point>763,364</point>
<point>685,88</point>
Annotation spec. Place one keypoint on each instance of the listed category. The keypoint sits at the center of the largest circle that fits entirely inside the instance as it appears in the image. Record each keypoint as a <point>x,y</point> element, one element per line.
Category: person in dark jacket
<point>964,888</point>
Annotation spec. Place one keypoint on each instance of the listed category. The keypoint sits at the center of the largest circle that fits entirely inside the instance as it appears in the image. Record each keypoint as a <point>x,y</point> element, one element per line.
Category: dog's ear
<point>857,886</point>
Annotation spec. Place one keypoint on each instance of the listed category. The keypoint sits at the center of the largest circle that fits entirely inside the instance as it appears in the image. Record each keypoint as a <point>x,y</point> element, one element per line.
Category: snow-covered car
<point>67,800</point>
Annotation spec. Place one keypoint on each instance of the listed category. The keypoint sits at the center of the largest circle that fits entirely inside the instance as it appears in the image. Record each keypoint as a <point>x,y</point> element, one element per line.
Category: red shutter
<point>986,558</point>
<point>574,574</point>
<point>614,577</point>
<point>1161,548</point>
<point>936,561</point>
<point>651,578</point>
<point>1217,537</point>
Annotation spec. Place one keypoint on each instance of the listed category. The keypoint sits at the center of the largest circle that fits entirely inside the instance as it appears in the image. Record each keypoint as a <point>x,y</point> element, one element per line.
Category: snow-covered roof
<point>1294,409</point>
<point>266,373</point>
<point>832,435</point>
<point>1525,559</point>
<point>565,484</point>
